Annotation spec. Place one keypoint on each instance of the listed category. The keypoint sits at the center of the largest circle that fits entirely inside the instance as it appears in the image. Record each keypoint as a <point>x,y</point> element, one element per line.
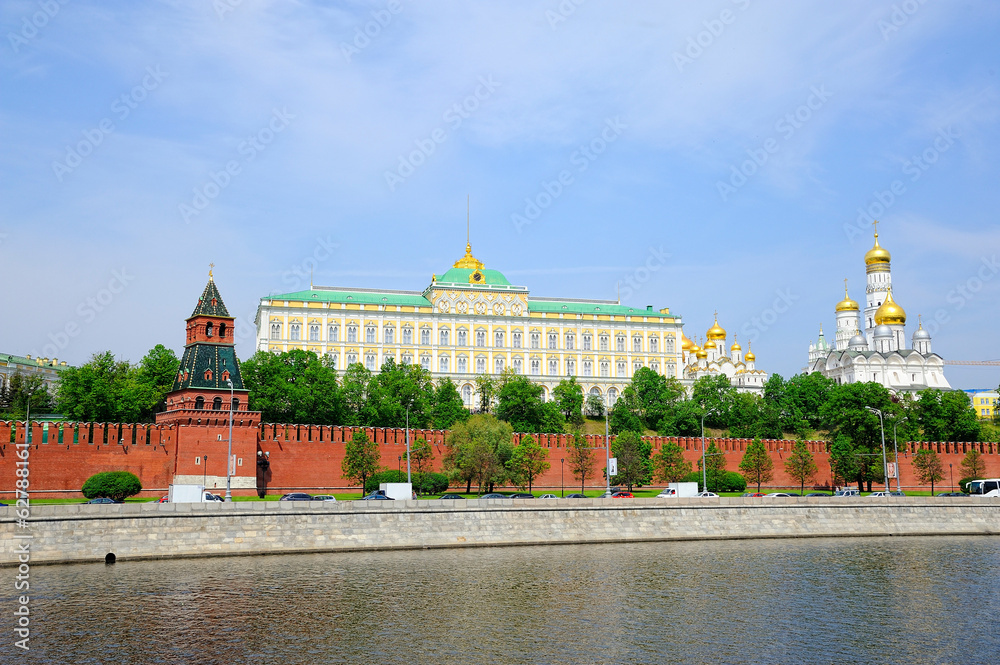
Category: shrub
<point>423,483</point>
<point>114,485</point>
<point>719,481</point>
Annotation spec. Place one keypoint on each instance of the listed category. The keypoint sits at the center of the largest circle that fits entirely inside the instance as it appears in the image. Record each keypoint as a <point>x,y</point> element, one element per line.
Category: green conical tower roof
<point>210,303</point>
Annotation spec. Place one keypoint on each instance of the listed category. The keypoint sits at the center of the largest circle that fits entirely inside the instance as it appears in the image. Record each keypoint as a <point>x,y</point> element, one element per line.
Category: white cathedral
<point>879,354</point>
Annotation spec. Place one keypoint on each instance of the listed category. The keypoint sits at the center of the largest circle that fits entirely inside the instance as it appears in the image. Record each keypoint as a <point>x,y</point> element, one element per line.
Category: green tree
<point>843,462</point>
<point>715,466</point>
<point>581,459</point>
<point>520,404</point>
<point>669,464</point>
<point>355,390</point>
<point>448,407</point>
<point>973,465</point>
<point>101,390</point>
<point>947,416</point>
<point>18,391</point>
<point>116,485</point>
<point>421,455</point>
<point>527,462</point>
<point>399,392</point>
<point>928,467</point>
<point>361,459</point>
<point>716,395</point>
<point>594,406</point>
<point>293,387</point>
<point>157,372</point>
<point>800,464</point>
<point>487,389</point>
<point>804,398</point>
<point>635,464</point>
<point>846,414</point>
<point>683,419</point>
<point>624,415</point>
<point>478,450</point>
<point>756,465</point>
<point>569,396</point>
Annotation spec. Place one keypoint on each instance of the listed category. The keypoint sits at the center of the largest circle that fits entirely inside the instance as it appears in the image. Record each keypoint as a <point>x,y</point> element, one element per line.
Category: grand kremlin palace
<point>471,321</point>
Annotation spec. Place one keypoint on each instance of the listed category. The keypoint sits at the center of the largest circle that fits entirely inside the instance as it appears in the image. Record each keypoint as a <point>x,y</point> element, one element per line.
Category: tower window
<point>208,329</point>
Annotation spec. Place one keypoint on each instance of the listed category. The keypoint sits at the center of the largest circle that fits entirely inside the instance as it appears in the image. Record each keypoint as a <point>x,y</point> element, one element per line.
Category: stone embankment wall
<point>81,533</point>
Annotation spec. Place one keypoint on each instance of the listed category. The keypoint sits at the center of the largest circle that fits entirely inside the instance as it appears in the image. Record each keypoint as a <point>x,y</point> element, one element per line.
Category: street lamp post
<point>229,454</point>
<point>408,478</point>
<point>204,471</point>
<point>885,468</point>
<point>562,477</point>
<point>399,465</point>
<point>895,451</point>
<point>607,450</point>
<point>951,470</point>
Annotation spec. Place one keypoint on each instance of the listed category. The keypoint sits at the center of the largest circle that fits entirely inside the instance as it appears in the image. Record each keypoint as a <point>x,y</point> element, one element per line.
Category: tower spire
<point>468,218</point>
<point>210,266</point>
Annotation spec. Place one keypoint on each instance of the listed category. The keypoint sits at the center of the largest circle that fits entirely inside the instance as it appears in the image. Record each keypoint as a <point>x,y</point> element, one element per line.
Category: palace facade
<point>471,321</point>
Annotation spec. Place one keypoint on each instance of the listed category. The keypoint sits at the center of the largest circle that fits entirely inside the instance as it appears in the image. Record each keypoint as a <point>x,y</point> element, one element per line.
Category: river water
<point>874,600</point>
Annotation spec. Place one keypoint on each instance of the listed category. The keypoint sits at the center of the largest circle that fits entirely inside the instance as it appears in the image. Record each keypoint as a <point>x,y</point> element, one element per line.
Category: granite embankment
<point>78,533</point>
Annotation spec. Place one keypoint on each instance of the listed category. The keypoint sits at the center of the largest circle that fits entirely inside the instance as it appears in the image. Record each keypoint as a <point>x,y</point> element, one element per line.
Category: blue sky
<point>707,156</point>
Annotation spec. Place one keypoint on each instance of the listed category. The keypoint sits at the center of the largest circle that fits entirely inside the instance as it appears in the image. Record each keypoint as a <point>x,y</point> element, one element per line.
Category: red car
<point>622,495</point>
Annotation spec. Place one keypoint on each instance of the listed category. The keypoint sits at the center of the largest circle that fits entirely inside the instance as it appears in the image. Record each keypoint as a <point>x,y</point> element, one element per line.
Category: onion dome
<point>711,345</point>
<point>750,357</point>
<point>701,354</point>
<point>686,344</point>
<point>736,345</point>
<point>877,255</point>
<point>858,342</point>
<point>716,331</point>
<point>890,313</point>
<point>882,332</point>
<point>847,304</point>
<point>920,333</point>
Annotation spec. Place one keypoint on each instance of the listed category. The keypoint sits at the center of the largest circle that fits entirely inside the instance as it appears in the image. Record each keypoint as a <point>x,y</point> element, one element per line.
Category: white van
<point>847,492</point>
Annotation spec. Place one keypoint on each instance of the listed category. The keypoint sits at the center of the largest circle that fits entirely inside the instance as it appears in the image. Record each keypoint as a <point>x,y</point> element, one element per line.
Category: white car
<point>776,494</point>
<point>329,498</point>
<point>706,494</point>
<point>879,494</point>
<point>549,496</point>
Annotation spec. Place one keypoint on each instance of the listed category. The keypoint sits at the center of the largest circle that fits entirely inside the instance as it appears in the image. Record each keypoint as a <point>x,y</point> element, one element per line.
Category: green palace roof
<point>591,307</point>
<point>461,276</point>
<point>361,296</point>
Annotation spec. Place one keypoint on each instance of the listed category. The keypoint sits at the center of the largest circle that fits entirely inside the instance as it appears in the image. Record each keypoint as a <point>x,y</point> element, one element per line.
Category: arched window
<point>208,329</point>
<point>480,365</point>
<point>199,402</point>
<point>654,344</point>
<point>467,394</point>
<point>235,404</point>
<point>217,404</point>
<point>553,367</point>
<point>604,342</point>
<point>389,335</point>
<point>636,344</point>
<point>571,367</point>
<point>352,333</point>
<point>314,333</point>
<point>463,338</point>
<point>463,365</point>
<point>605,368</point>
<point>275,331</point>
<point>425,336</point>
<point>370,335</point>
<point>443,335</point>
<point>407,335</point>
<point>553,337</point>
<point>498,364</point>
<point>587,342</point>
<point>370,362</point>
<point>612,396</point>
<point>620,343</point>
<point>425,362</point>
<point>536,366</point>
<point>569,341</point>
<point>620,369</point>
<point>498,342</point>
<point>296,332</point>
<point>334,333</point>
<point>517,366</point>
<point>516,339</point>
<point>443,363</point>
<point>222,331</point>
<point>588,368</point>
<point>480,338</point>
<point>535,340</point>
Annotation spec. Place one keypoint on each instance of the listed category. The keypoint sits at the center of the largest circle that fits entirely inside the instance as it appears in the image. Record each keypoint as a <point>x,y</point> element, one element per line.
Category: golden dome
<point>686,344</point>
<point>701,353</point>
<point>736,345</point>
<point>716,331</point>
<point>890,313</point>
<point>749,357</point>
<point>847,304</point>
<point>711,345</point>
<point>877,254</point>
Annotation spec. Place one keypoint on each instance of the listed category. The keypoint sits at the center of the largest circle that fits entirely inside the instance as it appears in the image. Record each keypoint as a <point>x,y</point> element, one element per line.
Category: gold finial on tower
<point>210,266</point>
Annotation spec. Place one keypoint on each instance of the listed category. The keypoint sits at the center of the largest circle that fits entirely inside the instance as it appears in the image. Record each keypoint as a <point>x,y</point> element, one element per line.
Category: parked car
<point>879,494</point>
<point>576,495</point>
<point>522,495</point>
<point>622,495</point>
<point>494,495</point>
<point>896,493</point>
<point>707,494</point>
<point>103,499</point>
<point>325,497</point>
<point>776,495</point>
<point>818,494</point>
<point>847,492</point>
<point>753,494</point>
<point>953,494</point>
<point>451,496</point>
<point>162,499</point>
<point>549,496</point>
<point>377,495</point>
<point>293,496</point>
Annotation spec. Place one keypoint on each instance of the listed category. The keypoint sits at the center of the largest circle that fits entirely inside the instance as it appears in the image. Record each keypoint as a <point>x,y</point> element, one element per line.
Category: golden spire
<point>210,266</point>
<point>468,261</point>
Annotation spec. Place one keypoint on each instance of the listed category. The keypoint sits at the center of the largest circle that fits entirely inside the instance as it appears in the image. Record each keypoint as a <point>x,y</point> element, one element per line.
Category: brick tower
<point>209,364</point>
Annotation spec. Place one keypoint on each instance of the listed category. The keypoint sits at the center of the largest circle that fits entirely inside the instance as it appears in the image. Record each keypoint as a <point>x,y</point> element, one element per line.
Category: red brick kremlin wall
<point>308,457</point>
